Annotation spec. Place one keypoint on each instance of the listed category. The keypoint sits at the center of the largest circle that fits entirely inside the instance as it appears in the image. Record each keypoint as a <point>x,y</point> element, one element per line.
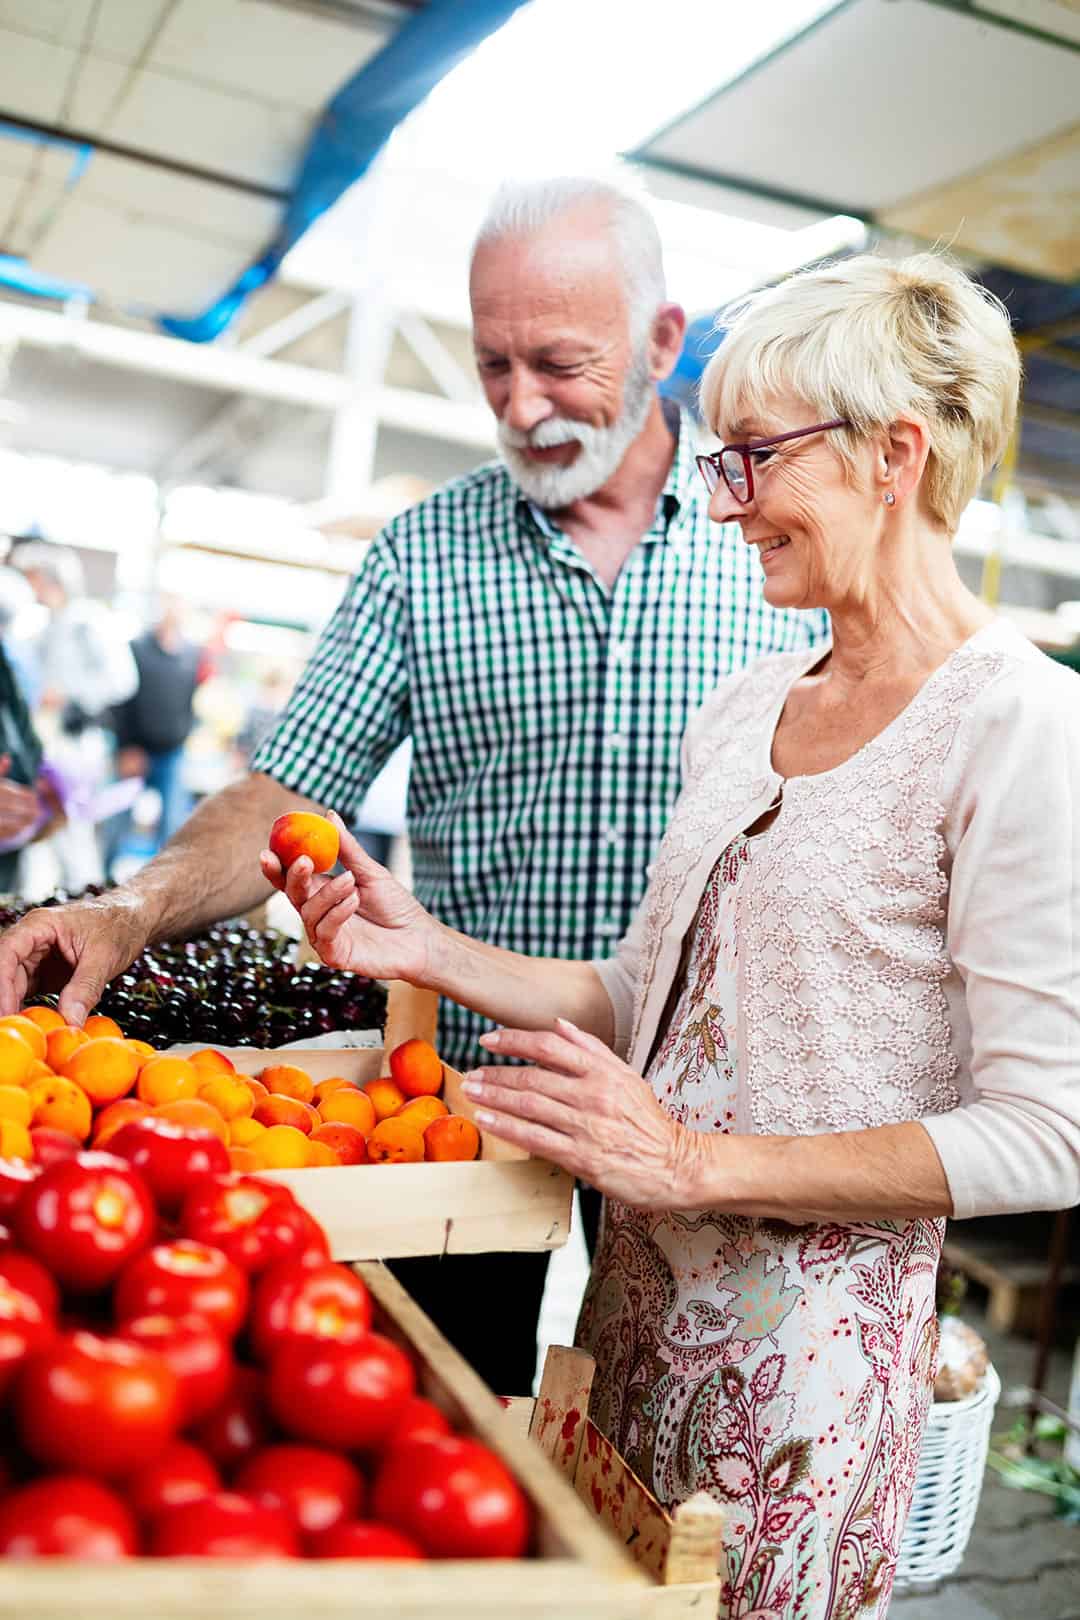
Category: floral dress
<point>787,1370</point>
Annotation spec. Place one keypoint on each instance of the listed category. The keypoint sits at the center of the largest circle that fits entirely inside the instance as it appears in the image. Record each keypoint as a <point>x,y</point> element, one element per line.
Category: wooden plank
<point>696,1550</point>
<point>616,1495</point>
<point>562,1406</point>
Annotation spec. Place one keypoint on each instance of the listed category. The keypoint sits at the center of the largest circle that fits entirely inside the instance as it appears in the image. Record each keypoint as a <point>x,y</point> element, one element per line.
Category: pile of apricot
<point>62,1087</point>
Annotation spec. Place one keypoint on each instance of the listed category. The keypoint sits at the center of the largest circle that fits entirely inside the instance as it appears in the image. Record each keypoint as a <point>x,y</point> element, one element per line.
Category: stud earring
<point>889,498</point>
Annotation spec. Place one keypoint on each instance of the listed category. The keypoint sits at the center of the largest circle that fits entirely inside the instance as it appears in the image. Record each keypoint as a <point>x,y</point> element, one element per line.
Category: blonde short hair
<point>872,340</point>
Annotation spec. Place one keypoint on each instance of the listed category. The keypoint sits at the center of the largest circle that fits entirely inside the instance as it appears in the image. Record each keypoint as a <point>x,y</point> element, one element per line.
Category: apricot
<point>60,1043</point>
<point>15,1140</point>
<point>243,1131</point>
<point>38,1071</point>
<point>422,1110</point>
<point>256,1087</point>
<point>345,1140</point>
<point>286,1111</point>
<point>395,1141</point>
<point>191,1113</point>
<point>106,1068</point>
<point>349,1106</point>
<point>167,1079</point>
<point>228,1094</point>
<point>243,1160</point>
<point>303,833</point>
<point>99,1024</point>
<point>452,1138</point>
<point>416,1068</point>
<point>333,1083</point>
<point>62,1104</point>
<point>144,1049</point>
<point>45,1018</point>
<point>109,1121</point>
<point>15,1104</point>
<point>321,1155</point>
<point>385,1097</point>
<point>31,1033</point>
<point>286,1080</point>
<point>281,1147</point>
<point>208,1057</point>
<point>16,1058</point>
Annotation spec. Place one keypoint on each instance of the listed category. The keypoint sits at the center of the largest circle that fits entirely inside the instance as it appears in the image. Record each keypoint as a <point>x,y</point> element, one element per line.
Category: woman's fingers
<point>332,920</point>
<point>582,1038</point>
<point>352,854</point>
<point>539,1140</point>
<point>540,1046</point>
<point>272,870</point>
<point>535,1094</point>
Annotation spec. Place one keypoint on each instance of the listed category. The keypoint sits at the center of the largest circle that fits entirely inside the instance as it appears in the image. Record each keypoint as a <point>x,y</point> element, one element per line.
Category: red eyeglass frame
<point>715,459</point>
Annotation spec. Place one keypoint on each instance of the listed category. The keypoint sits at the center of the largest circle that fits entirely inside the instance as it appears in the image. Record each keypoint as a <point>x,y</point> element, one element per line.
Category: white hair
<point>869,340</point>
<point>526,208</point>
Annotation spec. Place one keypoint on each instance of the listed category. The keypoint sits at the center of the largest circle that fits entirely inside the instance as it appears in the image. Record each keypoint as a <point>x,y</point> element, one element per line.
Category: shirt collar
<point>677,489</point>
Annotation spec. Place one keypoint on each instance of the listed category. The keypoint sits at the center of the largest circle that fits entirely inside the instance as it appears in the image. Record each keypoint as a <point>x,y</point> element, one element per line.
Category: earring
<point>889,498</point>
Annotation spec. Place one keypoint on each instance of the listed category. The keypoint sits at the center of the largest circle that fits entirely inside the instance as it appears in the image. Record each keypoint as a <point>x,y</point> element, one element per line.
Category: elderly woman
<point>849,1005</point>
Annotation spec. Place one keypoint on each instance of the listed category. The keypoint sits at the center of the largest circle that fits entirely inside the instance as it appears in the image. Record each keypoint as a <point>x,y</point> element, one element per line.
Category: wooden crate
<point>680,1553</point>
<point>578,1570</point>
<point>505,1200</point>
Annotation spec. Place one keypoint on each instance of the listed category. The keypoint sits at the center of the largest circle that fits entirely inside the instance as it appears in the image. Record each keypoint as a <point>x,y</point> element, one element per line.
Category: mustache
<point>546,435</point>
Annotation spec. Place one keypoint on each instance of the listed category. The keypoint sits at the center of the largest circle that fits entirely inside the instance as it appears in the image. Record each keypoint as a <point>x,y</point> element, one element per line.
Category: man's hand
<point>362,921</point>
<point>80,946</point>
<point>20,809</point>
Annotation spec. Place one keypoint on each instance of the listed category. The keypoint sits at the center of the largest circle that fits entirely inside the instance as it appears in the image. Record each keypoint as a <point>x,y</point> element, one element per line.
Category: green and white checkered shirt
<point>546,710</point>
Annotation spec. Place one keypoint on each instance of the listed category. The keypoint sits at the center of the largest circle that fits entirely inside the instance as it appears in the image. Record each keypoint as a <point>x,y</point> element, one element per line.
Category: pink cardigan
<point>909,929</point>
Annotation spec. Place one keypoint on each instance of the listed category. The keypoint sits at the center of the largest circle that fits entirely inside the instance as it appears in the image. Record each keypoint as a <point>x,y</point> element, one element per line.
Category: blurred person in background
<point>155,722</point>
<point>16,606</point>
<point>31,793</point>
<point>86,668</point>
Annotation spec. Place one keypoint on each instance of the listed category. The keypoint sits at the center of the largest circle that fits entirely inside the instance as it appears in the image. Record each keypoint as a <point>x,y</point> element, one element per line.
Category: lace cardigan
<point>908,928</point>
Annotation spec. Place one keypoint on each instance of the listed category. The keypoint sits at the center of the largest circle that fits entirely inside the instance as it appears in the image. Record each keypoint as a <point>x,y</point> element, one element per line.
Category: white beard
<point>601,452</point>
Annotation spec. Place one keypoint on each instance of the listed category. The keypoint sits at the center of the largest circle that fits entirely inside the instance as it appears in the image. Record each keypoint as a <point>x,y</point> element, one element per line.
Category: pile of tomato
<point>185,1372</point>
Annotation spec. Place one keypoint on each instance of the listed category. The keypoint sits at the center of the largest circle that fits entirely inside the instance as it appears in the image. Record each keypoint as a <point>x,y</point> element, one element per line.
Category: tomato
<point>339,1394</point>
<point>223,1526</point>
<point>240,1424</point>
<point>353,1538</point>
<point>182,1473</point>
<point>50,1144</point>
<point>255,1222</point>
<point>84,1218</point>
<point>15,1174</point>
<point>66,1516</point>
<point>295,1300</point>
<point>26,1326</point>
<point>26,1274</point>
<point>197,1354</point>
<point>184,1279</point>
<point>454,1496</point>
<point>418,1416</point>
<point>98,1406</point>
<point>170,1157</point>
<point>313,1487</point>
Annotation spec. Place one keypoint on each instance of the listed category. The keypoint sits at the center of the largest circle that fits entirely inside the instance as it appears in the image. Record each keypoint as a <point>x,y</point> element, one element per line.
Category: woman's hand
<point>579,1105</point>
<point>362,921</point>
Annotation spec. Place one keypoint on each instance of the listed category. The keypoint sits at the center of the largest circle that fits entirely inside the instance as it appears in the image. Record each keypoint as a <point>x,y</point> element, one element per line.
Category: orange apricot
<point>422,1110</point>
<point>45,1018</point>
<point>321,1155</point>
<point>209,1058</point>
<point>191,1113</point>
<point>99,1025</point>
<point>416,1068</point>
<point>62,1104</point>
<point>345,1140</point>
<point>109,1121</point>
<point>348,1106</point>
<point>303,833</point>
<point>15,1104</point>
<point>244,1130</point>
<point>144,1049</point>
<point>243,1160</point>
<point>385,1097</point>
<point>286,1080</point>
<point>60,1043</point>
<point>32,1034</point>
<point>15,1140</point>
<point>228,1094</point>
<point>286,1111</point>
<point>281,1147</point>
<point>167,1079</point>
<point>105,1067</point>
<point>334,1083</point>
<point>16,1058</point>
<point>395,1141</point>
<point>38,1070</point>
<point>256,1087</point>
<point>452,1138</point>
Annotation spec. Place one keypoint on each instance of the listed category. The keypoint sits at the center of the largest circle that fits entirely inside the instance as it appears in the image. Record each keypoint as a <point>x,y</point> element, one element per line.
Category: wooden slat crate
<point>681,1552</point>
<point>505,1200</point>
<point>578,1570</point>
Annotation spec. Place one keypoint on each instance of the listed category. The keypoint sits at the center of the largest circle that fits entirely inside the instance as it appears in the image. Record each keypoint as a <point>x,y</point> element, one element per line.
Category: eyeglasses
<point>733,462</point>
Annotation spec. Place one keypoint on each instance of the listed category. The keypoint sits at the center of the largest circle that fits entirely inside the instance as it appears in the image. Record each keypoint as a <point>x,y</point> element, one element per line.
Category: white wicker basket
<point>947,1485</point>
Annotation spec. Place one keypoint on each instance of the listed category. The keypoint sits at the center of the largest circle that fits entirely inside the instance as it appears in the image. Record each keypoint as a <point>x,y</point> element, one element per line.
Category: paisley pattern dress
<point>787,1370</point>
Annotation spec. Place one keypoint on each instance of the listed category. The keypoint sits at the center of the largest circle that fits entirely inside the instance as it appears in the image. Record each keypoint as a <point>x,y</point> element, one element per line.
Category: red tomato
<point>417,1417</point>
<point>30,1277</point>
<point>170,1157</point>
<point>240,1424</point>
<point>313,1487</point>
<point>182,1473</point>
<point>96,1405</point>
<point>295,1300</point>
<point>223,1526</point>
<point>255,1222</point>
<point>14,1176</point>
<point>357,1539</point>
<point>184,1279</point>
<point>197,1354</point>
<point>338,1394</point>
<point>84,1218</point>
<point>25,1328</point>
<point>455,1496</point>
<point>66,1516</point>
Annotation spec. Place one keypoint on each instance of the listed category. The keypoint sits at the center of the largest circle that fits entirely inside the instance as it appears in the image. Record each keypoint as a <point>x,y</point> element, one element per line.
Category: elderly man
<point>542,627</point>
